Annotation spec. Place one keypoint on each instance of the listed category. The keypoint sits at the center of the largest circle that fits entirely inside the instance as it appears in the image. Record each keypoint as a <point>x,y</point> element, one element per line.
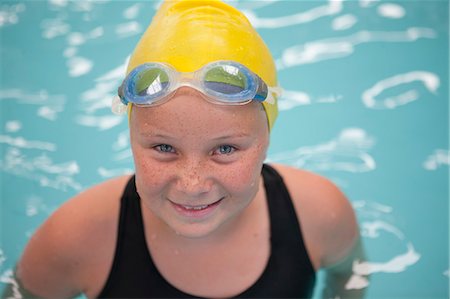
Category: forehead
<point>187,112</point>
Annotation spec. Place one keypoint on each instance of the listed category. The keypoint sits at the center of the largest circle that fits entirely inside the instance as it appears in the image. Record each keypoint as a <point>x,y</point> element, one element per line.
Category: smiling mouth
<point>196,210</point>
<point>197,207</point>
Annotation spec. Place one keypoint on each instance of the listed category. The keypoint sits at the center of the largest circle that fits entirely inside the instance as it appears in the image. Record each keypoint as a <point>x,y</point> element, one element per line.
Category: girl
<point>203,216</point>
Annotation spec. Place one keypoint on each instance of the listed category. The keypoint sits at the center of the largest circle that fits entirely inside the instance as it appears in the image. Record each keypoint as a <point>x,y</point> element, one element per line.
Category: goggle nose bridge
<point>190,79</point>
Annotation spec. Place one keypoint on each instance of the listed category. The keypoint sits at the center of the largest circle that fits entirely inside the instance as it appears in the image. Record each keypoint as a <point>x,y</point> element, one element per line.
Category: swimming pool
<point>365,104</point>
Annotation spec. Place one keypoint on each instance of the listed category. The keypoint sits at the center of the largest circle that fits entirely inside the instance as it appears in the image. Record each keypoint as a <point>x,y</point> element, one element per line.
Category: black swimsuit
<point>288,274</point>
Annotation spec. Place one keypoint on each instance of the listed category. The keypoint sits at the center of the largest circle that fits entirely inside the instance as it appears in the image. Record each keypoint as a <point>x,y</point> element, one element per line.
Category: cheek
<point>244,176</point>
<point>151,177</point>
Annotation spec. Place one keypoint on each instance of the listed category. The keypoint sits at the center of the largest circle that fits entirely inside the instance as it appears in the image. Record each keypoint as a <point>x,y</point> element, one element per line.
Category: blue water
<point>366,104</point>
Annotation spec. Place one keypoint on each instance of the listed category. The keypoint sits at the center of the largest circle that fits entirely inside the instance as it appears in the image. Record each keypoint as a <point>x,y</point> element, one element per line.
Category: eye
<point>164,148</point>
<point>225,149</point>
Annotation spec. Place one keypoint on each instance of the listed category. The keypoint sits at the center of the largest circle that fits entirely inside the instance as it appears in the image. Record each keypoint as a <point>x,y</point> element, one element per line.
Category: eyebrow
<point>167,136</point>
<point>239,135</point>
<point>157,135</point>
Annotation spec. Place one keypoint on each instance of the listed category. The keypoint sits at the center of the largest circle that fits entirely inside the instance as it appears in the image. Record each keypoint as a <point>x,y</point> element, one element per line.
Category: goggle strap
<point>275,90</point>
<point>117,106</point>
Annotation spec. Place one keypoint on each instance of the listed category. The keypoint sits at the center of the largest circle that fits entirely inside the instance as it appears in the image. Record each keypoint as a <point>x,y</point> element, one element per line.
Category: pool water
<point>365,104</point>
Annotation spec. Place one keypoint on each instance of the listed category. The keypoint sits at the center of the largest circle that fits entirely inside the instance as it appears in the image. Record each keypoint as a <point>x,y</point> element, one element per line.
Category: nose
<point>193,179</point>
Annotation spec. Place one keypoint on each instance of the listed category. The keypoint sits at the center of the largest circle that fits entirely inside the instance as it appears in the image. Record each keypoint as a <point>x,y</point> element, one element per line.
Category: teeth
<point>196,208</point>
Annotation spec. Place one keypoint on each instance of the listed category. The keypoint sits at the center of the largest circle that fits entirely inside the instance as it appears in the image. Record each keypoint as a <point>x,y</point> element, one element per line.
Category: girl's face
<point>198,164</point>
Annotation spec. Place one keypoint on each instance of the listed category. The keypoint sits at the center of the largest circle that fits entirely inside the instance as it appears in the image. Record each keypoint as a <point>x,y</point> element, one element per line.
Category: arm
<point>329,227</point>
<point>338,276</point>
<point>15,289</point>
<point>65,256</point>
<point>46,269</point>
<point>342,245</point>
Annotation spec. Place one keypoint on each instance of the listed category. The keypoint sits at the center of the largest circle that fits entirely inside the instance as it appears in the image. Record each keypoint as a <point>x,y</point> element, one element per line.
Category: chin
<point>194,230</point>
<point>218,224</point>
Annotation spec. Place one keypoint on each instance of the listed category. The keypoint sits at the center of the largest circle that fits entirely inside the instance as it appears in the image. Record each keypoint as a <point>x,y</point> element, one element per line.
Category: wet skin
<point>198,164</point>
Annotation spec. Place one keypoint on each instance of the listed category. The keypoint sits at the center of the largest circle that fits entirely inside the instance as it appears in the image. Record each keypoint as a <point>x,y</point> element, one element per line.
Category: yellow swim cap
<point>191,33</point>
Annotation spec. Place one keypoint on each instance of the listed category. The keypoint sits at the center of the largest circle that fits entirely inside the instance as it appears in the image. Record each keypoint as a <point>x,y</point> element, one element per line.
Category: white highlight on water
<point>41,169</point>
<point>45,164</point>
<point>333,48</point>
<point>70,52</point>
<point>100,122</point>
<point>109,173</point>
<point>13,126</point>
<point>123,155</point>
<point>83,6</point>
<point>96,32</point>
<point>430,80</point>
<point>2,257</point>
<point>440,157</point>
<point>328,99</point>
<point>367,3</point>
<point>27,144</point>
<point>391,10</point>
<point>47,113</point>
<point>79,66</point>
<point>36,205</point>
<point>39,98</point>
<point>357,282</point>
<point>395,265</point>
<point>52,28</point>
<point>373,210</point>
<point>344,22</point>
<point>51,105</point>
<point>75,39</point>
<point>363,204</point>
<point>132,11</point>
<point>128,29</point>
<point>347,152</point>
<point>372,229</point>
<point>122,141</point>
<point>291,99</point>
<point>250,5</point>
<point>333,7</point>
<point>100,95</point>
<point>58,3</point>
<point>32,208</point>
<point>377,213</point>
<point>9,14</point>
<point>8,278</point>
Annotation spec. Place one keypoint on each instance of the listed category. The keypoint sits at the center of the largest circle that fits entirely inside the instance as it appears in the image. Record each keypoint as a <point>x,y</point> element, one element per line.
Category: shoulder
<point>91,209</point>
<point>63,245</point>
<point>327,218</point>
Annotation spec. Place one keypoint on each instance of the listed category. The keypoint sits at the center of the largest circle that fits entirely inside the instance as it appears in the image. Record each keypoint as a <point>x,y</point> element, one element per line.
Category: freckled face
<point>198,164</point>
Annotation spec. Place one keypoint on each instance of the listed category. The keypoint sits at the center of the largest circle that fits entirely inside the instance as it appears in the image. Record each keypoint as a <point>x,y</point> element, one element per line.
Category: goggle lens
<point>227,80</point>
<point>150,82</point>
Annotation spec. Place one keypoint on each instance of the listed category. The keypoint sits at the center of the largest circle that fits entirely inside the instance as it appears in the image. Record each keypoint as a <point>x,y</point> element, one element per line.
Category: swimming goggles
<point>223,82</point>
